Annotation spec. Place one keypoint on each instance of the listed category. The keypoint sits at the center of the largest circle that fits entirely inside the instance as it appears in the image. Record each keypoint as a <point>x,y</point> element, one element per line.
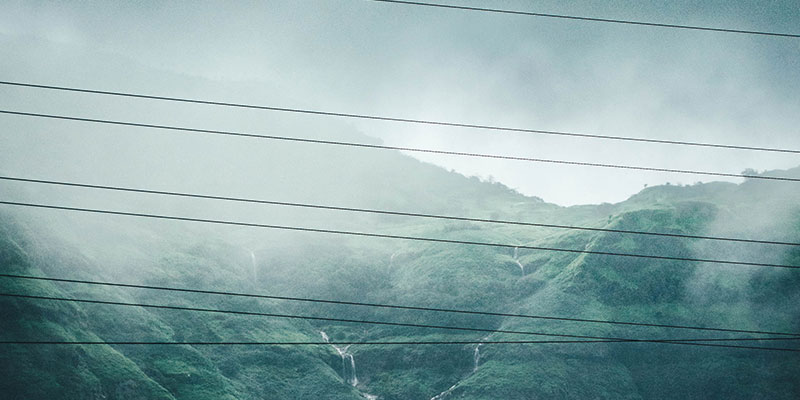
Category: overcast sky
<point>359,56</point>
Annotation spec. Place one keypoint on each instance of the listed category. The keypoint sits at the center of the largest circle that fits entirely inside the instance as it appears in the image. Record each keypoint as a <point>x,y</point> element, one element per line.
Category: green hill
<point>60,244</point>
<point>63,245</point>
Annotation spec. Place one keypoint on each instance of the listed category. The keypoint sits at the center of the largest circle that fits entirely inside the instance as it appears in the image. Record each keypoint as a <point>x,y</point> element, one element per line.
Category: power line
<point>405,343</point>
<point>397,119</point>
<point>388,236</point>
<point>591,19</point>
<point>398,148</point>
<point>385,212</point>
<point>391,306</point>
<point>696,342</point>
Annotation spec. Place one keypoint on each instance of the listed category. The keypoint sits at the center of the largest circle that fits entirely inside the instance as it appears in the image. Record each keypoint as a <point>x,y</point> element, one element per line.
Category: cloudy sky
<point>359,56</point>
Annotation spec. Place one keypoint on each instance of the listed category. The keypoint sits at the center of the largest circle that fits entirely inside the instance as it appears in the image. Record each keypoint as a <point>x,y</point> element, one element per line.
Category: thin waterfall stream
<point>516,260</point>
<point>253,264</point>
<point>348,374</point>
<point>476,358</point>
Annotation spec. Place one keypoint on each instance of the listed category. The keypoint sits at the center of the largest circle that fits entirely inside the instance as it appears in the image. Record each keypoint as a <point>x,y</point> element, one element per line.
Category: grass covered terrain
<point>411,273</point>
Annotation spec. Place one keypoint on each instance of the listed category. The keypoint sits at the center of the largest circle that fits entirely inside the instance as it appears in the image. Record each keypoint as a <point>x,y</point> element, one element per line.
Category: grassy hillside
<point>411,273</point>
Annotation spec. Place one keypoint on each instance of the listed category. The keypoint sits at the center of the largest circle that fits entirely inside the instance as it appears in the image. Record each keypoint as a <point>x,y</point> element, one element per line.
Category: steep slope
<point>145,372</point>
<point>421,274</point>
<point>703,294</point>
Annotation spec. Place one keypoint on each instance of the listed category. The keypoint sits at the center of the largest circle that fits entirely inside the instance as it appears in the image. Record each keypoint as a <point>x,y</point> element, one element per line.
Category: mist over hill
<point>61,244</point>
<point>599,273</point>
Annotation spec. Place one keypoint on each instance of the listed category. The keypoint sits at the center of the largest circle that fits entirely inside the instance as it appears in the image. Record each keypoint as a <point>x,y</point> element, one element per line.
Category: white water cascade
<point>253,264</point>
<point>391,259</point>
<point>476,358</point>
<point>445,393</point>
<point>516,260</point>
<point>347,359</point>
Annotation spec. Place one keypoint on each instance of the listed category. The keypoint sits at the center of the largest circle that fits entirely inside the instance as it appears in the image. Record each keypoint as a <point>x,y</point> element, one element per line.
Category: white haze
<point>363,57</point>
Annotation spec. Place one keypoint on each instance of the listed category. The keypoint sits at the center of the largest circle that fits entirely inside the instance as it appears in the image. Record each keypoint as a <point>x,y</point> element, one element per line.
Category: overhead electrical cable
<point>390,236</point>
<point>399,343</point>
<point>397,148</point>
<point>398,119</point>
<point>590,19</point>
<point>695,342</point>
<point>386,212</point>
<point>392,306</point>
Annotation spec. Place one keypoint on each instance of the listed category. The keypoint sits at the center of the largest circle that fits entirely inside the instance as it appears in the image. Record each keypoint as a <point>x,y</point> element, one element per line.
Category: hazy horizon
<point>448,65</point>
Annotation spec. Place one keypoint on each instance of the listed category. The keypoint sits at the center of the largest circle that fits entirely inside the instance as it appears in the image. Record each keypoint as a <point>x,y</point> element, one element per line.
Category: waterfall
<point>445,393</point>
<point>353,382</point>
<point>253,263</point>
<point>476,358</point>
<point>350,377</point>
<point>476,355</point>
<point>516,260</point>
